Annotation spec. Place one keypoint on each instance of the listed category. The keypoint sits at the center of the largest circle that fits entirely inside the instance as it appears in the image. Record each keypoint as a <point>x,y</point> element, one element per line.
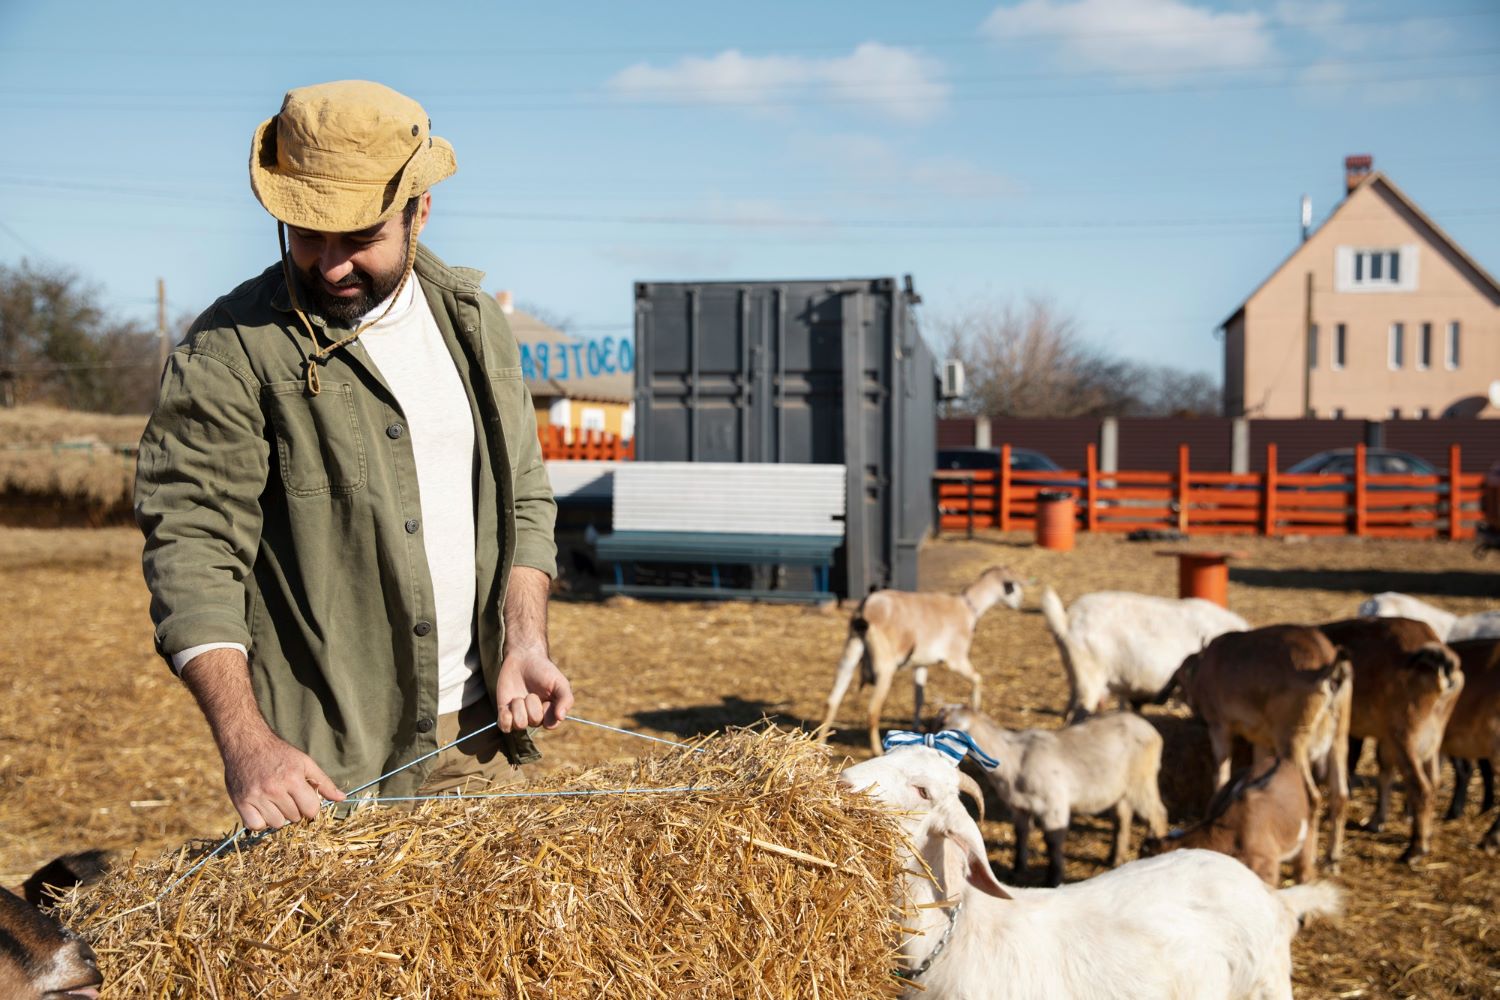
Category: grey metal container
<point>799,371</point>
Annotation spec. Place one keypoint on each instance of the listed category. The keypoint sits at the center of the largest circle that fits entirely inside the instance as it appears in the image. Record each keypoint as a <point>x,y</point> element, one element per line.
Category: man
<point>348,523</point>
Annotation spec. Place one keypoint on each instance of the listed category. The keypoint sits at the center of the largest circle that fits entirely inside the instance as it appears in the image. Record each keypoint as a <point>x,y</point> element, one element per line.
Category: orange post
<point>1182,488</point>
<point>1268,498</point>
<point>1091,489</point>
<point>1002,495</point>
<point>1359,490</point>
<point>1455,498</point>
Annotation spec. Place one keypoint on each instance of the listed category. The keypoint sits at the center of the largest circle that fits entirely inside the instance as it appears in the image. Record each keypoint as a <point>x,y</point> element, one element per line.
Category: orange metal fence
<point>1224,503</point>
<point>596,446</point>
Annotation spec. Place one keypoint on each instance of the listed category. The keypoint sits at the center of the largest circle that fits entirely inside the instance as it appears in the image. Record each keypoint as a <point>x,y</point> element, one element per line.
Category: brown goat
<point>1474,728</point>
<point>1263,817</point>
<point>1406,684</point>
<point>1286,690</point>
<point>39,958</point>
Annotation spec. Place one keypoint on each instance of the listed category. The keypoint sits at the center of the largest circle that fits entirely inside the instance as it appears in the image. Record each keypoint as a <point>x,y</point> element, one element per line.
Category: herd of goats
<point>1207,923</point>
<point>1213,922</point>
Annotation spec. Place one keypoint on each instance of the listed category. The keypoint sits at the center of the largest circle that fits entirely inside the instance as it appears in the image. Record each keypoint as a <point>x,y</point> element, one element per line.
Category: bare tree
<point>1031,361</point>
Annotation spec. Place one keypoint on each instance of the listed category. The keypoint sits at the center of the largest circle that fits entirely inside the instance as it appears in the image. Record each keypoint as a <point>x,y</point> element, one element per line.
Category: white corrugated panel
<point>582,480</point>
<point>730,497</point>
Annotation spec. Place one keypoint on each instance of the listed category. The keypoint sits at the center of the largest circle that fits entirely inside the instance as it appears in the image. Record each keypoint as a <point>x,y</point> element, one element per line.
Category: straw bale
<point>766,882</point>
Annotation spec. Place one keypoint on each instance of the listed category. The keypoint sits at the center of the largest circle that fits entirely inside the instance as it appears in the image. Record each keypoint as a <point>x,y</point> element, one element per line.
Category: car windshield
<point>1032,461</point>
<point>1377,463</point>
<point>969,458</point>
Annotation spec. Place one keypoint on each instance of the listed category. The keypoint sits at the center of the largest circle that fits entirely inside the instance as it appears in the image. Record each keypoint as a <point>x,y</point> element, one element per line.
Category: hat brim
<point>327,205</point>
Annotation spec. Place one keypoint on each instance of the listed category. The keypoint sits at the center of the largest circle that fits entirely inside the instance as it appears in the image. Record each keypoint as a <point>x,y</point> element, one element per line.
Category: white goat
<point>1129,645</point>
<point>1103,763</point>
<point>1448,626</point>
<point>1186,924</point>
<point>894,628</point>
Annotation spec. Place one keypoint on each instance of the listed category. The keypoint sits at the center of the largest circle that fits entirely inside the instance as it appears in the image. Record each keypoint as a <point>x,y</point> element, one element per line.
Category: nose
<point>334,262</point>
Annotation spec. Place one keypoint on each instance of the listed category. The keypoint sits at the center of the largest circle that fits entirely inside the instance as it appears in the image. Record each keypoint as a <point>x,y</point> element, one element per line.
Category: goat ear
<point>959,828</point>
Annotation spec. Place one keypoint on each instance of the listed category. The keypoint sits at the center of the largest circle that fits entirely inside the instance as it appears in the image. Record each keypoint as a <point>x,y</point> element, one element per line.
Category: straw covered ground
<point>100,747</point>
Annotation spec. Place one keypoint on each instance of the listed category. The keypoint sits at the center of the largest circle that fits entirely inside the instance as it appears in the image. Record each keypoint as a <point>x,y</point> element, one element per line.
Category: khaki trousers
<point>478,764</point>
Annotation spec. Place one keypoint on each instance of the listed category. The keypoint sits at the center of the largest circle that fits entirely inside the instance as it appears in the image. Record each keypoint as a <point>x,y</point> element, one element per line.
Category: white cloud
<point>1167,36</point>
<point>894,81</point>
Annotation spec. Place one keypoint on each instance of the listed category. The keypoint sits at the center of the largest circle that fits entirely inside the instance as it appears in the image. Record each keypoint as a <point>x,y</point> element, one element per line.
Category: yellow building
<point>1378,315</point>
<point>577,384</point>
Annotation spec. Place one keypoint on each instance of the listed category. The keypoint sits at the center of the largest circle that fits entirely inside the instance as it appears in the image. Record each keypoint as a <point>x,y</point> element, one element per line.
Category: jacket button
<point>394,431</point>
<point>422,628</point>
<point>424,725</point>
<point>412,526</point>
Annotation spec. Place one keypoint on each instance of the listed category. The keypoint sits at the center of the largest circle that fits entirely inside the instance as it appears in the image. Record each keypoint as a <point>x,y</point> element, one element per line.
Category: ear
<point>961,830</point>
<point>424,210</point>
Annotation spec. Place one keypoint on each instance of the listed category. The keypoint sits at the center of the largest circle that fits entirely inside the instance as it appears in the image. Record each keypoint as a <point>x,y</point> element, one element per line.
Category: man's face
<point>351,273</point>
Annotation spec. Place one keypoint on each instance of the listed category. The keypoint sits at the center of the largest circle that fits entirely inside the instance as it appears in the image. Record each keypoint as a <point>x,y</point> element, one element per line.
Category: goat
<point>1129,645</point>
<point>1406,684</point>
<point>1286,690</point>
<point>893,628</point>
<point>39,958</point>
<point>1262,818</point>
<point>1473,730</point>
<point>1107,762</point>
<point>1448,626</point>
<point>1187,924</point>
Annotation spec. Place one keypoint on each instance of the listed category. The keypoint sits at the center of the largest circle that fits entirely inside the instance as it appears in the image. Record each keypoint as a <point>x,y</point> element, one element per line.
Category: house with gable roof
<point>1378,315</point>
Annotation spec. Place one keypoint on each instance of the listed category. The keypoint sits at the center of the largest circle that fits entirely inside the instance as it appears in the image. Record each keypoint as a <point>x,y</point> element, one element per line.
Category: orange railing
<point>595,446</point>
<point>1199,502</point>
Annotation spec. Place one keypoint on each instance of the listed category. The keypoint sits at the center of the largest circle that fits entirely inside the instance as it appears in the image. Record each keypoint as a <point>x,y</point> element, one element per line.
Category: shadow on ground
<point>1372,581</point>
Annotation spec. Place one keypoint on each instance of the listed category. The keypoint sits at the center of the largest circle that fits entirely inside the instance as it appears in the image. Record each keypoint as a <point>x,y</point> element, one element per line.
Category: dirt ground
<point>101,747</point>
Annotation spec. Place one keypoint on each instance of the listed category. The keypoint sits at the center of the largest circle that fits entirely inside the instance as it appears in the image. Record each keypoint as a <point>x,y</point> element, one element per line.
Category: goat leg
<point>1022,822</point>
<point>1487,776</point>
<point>854,652</point>
<point>1123,816</point>
<point>1055,859</point>
<point>919,689</point>
<point>1463,771</point>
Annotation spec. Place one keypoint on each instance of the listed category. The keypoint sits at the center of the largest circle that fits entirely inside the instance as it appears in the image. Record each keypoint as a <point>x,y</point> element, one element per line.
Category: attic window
<point>1377,267</point>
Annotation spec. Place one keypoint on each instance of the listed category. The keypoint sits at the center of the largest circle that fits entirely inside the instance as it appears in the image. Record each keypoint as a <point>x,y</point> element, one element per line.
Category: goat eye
<point>922,792</point>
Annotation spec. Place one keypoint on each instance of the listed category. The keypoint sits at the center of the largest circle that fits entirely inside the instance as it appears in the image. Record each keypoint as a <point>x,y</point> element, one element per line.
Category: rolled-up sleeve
<point>200,473</point>
<point>536,508</point>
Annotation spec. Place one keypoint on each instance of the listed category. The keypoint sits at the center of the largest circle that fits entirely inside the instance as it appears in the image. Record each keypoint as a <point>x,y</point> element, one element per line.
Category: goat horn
<point>969,785</point>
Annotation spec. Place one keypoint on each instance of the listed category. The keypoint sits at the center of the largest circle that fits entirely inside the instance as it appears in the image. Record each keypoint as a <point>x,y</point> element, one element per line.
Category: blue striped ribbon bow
<point>951,743</point>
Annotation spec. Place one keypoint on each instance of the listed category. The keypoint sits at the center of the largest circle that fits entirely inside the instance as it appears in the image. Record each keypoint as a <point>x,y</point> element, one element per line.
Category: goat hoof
<point>1333,867</point>
<point>1371,826</point>
<point>1411,856</point>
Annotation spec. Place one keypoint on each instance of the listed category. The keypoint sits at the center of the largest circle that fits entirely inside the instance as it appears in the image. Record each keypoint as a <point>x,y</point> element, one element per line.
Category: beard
<point>375,288</point>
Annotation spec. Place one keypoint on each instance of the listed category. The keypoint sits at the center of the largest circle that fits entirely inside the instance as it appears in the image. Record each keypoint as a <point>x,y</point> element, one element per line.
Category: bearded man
<point>348,523</point>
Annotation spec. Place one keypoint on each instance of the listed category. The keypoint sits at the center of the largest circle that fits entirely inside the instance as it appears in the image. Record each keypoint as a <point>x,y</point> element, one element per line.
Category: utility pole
<point>162,344</point>
<point>1308,340</point>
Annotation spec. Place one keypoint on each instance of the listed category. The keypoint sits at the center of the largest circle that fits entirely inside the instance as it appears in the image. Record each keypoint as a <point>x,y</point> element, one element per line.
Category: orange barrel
<point>1056,520</point>
<point>1204,575</point>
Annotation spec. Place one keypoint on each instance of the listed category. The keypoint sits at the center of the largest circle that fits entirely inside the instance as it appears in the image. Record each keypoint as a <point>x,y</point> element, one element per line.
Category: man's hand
<point>272,783</point>
<point>532,692</point>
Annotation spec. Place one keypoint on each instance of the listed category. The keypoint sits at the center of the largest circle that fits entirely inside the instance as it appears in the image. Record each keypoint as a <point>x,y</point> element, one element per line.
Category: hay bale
<point>770,883</point>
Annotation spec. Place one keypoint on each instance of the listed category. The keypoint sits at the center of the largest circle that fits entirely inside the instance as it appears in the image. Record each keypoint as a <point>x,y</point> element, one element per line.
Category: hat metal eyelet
<point>414,130</point>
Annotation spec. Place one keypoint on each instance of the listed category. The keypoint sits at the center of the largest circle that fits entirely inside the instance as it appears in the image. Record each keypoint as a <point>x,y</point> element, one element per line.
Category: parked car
<point>1021,460</point>
<point>1378,462</point>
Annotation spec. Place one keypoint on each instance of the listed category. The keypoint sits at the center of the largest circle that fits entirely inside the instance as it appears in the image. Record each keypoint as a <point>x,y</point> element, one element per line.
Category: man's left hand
<point>532,691</point>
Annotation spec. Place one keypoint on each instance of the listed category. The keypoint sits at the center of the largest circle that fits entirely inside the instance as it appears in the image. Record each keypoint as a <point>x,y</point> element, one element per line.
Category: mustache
<point>350,280</point>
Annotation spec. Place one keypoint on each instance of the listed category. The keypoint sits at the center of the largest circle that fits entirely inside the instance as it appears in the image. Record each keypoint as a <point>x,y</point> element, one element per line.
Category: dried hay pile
<point>770,883</point>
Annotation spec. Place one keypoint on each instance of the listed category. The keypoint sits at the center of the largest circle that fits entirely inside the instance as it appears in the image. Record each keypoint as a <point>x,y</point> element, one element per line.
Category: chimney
<point>507,301</point>
<point>1356,169</point>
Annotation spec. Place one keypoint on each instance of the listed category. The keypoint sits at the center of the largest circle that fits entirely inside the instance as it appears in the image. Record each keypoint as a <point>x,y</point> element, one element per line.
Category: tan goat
<point>1263,817</point>
<point>1406,684</point>
<point>1473,731</point>
<point>896,628</point>
<point>1286,690</point>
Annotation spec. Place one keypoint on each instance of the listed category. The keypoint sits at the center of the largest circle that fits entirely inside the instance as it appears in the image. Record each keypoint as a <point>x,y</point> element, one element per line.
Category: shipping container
<point>828,372</point>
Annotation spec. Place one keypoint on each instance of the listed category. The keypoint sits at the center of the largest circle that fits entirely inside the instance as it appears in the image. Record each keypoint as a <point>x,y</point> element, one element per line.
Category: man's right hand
<point>272,783</point>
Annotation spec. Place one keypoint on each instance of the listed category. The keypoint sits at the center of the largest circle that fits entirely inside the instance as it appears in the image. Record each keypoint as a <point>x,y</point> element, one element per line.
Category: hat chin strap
<point>320,354</point>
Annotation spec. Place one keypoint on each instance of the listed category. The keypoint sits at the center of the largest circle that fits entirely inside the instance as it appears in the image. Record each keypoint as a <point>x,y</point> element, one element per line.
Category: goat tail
<point>1315,899</point>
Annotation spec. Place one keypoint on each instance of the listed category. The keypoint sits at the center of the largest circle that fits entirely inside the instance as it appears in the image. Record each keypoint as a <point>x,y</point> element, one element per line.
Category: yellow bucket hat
<point>343,156</point>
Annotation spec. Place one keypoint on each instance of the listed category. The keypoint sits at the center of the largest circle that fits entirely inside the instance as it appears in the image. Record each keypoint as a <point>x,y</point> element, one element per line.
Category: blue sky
<point>1140,162</point>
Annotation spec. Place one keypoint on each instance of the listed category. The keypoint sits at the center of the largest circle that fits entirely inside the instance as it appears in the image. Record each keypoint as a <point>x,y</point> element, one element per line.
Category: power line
<point>25,244</point>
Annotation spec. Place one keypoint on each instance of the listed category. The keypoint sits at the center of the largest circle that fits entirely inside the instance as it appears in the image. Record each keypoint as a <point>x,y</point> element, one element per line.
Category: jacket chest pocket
<point>318,440</point>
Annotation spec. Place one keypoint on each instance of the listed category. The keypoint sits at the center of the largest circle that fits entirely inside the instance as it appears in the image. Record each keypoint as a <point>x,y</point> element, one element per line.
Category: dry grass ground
<point>99,746</point>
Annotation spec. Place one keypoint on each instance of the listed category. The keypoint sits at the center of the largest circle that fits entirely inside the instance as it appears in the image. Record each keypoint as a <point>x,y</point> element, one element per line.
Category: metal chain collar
<point>920,970</point>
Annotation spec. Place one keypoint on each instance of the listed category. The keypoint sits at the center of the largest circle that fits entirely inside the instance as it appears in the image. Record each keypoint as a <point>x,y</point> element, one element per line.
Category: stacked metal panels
<point>819,372</point>
<point>751,499</point>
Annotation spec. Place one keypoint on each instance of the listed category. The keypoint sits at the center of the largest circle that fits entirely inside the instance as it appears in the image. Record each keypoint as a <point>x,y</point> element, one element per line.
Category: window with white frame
<point>591,418</point>
<point>1312,346</point>
<point>1397,355</point>
<point>1375,269</point>
<point>1424,348</point>
<point>1340,345</point>
<point>1452,359</point>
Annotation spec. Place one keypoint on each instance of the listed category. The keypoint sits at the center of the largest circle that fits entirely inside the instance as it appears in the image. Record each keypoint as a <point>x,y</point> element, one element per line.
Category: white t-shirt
<point>408,351</point>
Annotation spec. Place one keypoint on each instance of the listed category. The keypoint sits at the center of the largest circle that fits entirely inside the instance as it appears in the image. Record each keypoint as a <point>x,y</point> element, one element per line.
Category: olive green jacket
<point>290,522</point>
